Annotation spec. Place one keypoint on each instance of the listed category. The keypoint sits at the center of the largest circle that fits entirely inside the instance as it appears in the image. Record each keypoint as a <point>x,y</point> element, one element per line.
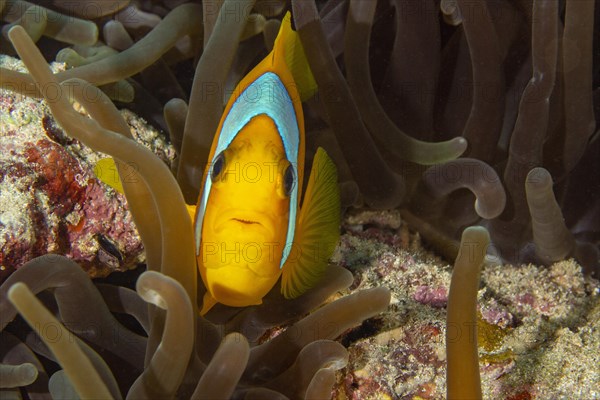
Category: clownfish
<point>249,227</point>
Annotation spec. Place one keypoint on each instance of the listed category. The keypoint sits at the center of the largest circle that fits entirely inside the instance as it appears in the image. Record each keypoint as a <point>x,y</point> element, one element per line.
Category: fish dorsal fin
<point>289,49</point>
<point>317,229</point>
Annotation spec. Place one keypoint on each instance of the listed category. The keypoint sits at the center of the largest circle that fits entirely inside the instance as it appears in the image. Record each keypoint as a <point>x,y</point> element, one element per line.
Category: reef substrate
<point>51,201</point>
<point>538,328</point>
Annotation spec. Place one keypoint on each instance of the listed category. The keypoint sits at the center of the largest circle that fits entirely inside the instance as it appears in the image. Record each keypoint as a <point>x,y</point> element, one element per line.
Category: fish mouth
<point>245,219</point>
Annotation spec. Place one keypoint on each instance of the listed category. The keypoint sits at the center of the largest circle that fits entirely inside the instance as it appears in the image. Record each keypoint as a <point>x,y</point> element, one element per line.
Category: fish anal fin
<point>317,229</point>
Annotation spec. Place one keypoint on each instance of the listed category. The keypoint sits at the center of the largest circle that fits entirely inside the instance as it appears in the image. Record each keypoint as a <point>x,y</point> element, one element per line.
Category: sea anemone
<point>416,100</point>
<point>514,101</point>
<point>461,350</point>
<point>169,348</point>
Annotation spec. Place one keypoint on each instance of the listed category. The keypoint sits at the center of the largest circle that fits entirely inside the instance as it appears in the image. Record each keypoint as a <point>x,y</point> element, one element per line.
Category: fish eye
<point>218,166</point>
<point>288,180</point>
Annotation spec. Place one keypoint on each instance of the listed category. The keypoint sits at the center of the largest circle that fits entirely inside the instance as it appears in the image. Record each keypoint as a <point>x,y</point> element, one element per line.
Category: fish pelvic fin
<point>289,49</point>
<point>207,303</point>
<point>192,211</point>
<point>317,230</point>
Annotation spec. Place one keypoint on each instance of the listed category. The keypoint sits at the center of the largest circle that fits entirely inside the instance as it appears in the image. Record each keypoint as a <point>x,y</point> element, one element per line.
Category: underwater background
<point>439,115</point>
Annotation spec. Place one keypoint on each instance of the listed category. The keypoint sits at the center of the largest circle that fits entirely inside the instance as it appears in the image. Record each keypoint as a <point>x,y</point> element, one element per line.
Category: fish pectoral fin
<point>207,303</point>
<point>317,229</point>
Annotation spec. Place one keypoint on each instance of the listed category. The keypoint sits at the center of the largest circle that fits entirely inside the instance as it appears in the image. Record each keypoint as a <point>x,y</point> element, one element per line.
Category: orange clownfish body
<point>249,227</point>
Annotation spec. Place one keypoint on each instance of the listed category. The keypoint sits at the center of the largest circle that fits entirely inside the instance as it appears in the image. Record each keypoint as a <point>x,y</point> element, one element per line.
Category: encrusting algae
<point>497,97</point>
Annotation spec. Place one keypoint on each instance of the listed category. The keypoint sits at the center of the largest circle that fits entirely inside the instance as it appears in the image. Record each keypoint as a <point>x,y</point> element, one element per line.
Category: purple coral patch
<point>432,296</point>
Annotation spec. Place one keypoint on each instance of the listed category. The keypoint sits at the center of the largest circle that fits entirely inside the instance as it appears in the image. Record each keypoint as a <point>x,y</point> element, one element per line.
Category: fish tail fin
<point>106,171</point>
<point>289,49</point>
<point>317,230</point>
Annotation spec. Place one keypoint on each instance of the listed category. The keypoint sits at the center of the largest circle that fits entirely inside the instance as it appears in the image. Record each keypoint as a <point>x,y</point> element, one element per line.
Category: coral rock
<point>537,334</point>
<point>50,199</point>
